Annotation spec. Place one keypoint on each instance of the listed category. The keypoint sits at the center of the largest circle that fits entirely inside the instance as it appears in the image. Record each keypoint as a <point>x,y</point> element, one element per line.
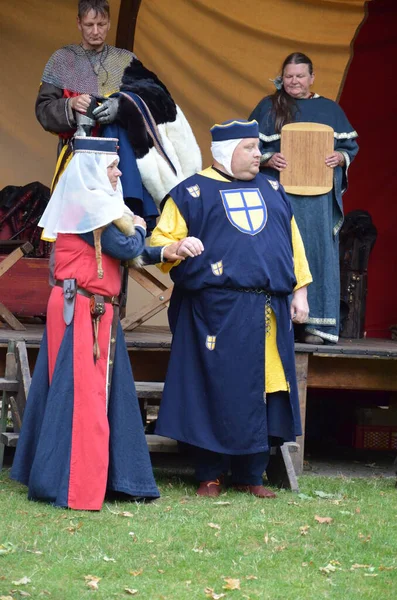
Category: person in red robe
<point>82,432</point>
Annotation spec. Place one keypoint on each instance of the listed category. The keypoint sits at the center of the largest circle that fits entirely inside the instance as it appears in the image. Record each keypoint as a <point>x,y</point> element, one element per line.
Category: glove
<point>84,125</point>
<point>107,112</point>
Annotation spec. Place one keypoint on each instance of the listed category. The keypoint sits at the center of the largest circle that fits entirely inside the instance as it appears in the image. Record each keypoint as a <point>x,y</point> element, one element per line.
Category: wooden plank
<point>148,311</point>
<point>305,146</point>
<point>10,319</point>
<point>280,471</point>
<point>8,385</point>
<point>149,390</point>
<point>157,443</point>
<point>148,281</point>
<point>24,377</point>
<point>302,362</point>
<point>8,439</point>
<point>10,260</point>
<point>352,374</point>
<point>10,373</point>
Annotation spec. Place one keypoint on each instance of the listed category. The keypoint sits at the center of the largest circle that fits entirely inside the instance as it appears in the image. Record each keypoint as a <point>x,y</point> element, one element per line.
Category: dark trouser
<point>246,469</point>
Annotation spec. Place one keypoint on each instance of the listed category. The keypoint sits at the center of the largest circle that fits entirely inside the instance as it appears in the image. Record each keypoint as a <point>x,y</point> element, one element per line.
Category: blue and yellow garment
<point>216,398</point>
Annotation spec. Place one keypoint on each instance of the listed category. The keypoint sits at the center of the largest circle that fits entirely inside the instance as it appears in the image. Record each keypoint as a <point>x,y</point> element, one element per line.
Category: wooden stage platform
<point>365,364</point>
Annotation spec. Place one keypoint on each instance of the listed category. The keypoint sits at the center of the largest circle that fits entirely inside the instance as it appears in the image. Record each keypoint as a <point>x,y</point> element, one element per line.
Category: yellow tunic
<point>172,227</point>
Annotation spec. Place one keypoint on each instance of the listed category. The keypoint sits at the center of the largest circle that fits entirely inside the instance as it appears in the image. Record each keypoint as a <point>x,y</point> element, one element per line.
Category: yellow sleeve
<point>171,227</point>
<point>301,266</point>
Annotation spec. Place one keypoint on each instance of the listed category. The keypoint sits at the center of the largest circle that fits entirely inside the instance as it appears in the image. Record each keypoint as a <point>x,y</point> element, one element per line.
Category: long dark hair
<point>284,106</point>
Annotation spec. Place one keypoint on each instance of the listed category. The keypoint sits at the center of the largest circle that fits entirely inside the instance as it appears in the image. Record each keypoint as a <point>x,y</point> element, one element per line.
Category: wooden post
<point>302,361</point>
<point>128,15</point>
<point>10,373</point>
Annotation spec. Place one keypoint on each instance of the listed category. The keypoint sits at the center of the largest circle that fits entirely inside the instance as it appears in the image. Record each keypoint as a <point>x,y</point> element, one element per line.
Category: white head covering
<point>223,153</point>
<point>84,198</point>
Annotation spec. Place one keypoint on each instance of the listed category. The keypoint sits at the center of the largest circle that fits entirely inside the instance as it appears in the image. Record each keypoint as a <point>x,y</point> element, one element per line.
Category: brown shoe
<point>209,488</point>
<point>256,490</point>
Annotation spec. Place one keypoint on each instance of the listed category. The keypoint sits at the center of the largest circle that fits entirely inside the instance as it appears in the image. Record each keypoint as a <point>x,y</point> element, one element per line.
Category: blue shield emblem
<point>245,209</point>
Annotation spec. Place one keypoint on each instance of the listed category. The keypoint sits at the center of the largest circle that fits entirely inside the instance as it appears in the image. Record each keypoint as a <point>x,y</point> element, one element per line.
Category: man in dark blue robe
<point>231,382</point>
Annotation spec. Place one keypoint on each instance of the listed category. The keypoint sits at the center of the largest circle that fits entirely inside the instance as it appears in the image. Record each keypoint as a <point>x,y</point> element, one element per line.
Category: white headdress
<point>84,198</point>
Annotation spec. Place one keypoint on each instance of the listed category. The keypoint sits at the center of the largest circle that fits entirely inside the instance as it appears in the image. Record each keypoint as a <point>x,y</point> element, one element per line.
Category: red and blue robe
<point>78,440</point>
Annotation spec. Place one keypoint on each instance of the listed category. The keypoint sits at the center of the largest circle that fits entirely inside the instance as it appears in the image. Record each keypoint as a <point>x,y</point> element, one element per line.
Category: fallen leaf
<point>6,598</point>
<point>199,550</point>
<point>168,508</point>
<point>305,564</point>
<point>107,559</point>
<point>221,503</point>
<point>266,538</point>
<point>328,569</point>
<point>370,575</point>
<point>335,562</point>
<point>326,520</point>
<point>214,526</point>
<point>358,510</point>
<point>209,592</point>
<point>231,584</point>
<point>280,548</point>
<point>251,577</point>
<point>383,568</point>
<point>74,527</point>
<point>160,571</point>
<point>304,530</point>
<point>24,594</point>
<point>130,591</point>
<point>7,548</point>
<point>136,573</point>
<point>23,581</point>
<point>92,581</point>
<point>364,538</point>
<point>358,566</point>
<point>125,513</point>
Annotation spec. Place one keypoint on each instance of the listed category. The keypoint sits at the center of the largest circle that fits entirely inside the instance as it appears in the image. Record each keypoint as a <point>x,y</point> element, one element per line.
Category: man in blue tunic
<point>319,217</point>
<point>231,382</point>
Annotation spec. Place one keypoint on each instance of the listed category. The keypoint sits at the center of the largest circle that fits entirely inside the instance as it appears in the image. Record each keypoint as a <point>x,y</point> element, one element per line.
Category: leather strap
<point>87,294</point>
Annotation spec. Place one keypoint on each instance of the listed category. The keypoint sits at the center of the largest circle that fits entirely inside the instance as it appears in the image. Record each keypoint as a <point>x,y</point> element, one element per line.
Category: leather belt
<point>87,294</point>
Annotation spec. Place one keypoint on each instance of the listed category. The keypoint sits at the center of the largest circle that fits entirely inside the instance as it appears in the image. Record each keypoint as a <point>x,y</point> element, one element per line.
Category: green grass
<point>168,549</point>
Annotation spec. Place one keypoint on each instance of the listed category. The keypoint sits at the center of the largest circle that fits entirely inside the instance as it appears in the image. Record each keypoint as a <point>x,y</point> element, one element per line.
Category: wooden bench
<point>280,471</point>
<point>15,388</point>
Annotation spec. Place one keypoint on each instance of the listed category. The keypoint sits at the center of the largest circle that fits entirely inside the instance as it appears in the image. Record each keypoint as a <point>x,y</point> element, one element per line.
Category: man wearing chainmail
<point>77,72</point>
<point>231,389</point>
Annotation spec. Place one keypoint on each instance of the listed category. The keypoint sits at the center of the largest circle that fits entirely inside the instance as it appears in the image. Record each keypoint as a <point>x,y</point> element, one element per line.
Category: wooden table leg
<point>302,361</point>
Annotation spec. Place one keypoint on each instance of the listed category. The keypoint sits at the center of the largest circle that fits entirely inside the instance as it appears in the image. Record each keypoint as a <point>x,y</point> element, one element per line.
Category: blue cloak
<point>214,395</point>
<point>319,218</point>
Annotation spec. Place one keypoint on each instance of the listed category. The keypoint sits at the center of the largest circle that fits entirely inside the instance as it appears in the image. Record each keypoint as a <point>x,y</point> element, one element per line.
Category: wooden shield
<point>305,146</point>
